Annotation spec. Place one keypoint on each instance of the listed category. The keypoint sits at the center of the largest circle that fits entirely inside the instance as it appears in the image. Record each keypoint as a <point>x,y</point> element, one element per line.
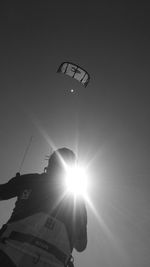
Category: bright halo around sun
<point>76,180</point>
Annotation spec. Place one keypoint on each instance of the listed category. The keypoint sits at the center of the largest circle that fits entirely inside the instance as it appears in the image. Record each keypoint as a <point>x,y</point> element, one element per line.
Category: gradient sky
<point>107,122</point>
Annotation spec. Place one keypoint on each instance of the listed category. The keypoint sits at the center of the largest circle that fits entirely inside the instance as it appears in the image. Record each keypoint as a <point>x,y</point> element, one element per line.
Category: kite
<point>75,72</point>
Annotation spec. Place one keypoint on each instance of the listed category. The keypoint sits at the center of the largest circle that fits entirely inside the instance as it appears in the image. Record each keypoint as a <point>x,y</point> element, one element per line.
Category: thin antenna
<point>25,153</point>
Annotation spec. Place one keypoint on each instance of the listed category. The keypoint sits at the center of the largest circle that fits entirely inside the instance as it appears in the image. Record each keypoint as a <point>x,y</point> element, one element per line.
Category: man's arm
<point>80,241</point>
<point>8,190</point>
<point>80,231</point>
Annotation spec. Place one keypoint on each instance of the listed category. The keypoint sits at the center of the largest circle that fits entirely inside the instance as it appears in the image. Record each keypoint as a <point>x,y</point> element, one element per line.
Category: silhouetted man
<point>47,223</point>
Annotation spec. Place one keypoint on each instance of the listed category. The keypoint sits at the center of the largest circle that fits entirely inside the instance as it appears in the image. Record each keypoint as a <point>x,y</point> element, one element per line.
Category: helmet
<point>58,156</point>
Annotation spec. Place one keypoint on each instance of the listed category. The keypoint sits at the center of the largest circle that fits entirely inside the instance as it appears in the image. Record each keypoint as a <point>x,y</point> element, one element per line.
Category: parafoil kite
<point>75,72</point>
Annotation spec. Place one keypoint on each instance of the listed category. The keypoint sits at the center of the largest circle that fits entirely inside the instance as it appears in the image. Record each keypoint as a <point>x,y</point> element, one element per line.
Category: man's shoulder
<point>21,178</point>
<point>31,175</point>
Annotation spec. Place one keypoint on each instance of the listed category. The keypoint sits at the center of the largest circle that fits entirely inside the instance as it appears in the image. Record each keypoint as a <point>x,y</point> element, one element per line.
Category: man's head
<point>58,159</point>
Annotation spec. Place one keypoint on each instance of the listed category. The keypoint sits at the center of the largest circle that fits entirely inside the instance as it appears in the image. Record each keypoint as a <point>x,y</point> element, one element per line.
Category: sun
<point>76,180</point>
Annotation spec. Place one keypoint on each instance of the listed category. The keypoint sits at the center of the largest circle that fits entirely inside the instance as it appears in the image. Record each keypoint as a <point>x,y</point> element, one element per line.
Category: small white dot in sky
<point>72,90</point>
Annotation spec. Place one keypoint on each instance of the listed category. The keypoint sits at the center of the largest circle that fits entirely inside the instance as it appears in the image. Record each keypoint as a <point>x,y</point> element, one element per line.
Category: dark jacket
<point>38,193</point>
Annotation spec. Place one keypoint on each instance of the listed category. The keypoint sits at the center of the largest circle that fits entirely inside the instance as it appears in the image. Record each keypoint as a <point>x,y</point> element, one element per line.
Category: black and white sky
<point>107,122</point>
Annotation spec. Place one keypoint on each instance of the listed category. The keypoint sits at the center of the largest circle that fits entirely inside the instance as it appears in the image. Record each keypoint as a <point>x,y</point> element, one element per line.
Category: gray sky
<point>107,122</point>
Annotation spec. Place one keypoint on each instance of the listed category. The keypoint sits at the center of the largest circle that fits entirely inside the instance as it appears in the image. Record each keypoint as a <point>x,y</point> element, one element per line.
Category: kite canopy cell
<point>75,72</point>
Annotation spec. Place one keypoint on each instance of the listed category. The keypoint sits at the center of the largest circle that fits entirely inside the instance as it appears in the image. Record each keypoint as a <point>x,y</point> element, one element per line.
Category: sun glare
<point>76,180</point>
